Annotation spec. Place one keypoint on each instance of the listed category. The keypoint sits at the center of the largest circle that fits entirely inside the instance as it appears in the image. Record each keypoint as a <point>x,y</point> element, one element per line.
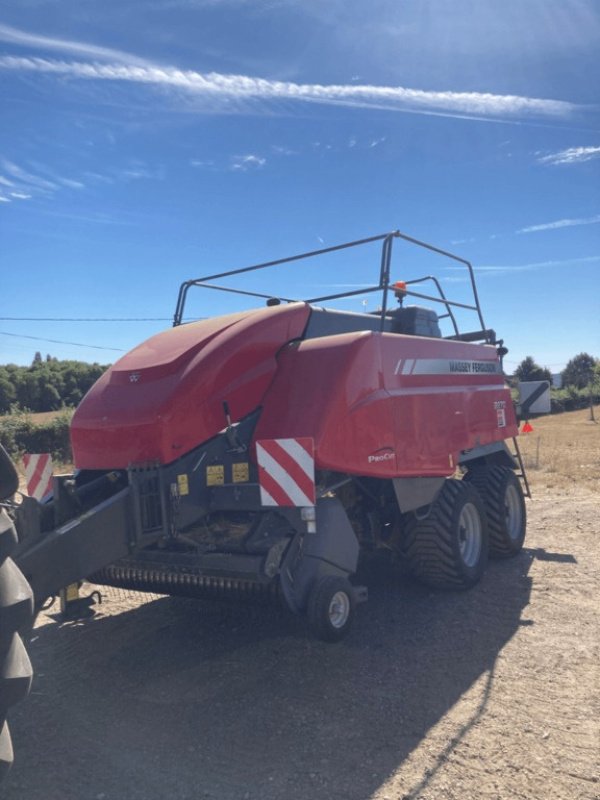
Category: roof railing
<point>383,286</point>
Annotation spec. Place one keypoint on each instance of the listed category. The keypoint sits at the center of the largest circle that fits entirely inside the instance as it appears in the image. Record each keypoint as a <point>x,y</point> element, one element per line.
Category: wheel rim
<point>469,534</point>
<point>513,512</point>
<point>339,610</point>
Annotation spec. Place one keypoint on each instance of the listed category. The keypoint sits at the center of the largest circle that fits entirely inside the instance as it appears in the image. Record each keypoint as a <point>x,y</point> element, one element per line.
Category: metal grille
<point>150,509</point>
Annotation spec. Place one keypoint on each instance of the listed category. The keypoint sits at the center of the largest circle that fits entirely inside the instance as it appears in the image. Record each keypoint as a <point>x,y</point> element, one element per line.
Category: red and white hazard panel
<point>286,471</point>
<point>38,474</point>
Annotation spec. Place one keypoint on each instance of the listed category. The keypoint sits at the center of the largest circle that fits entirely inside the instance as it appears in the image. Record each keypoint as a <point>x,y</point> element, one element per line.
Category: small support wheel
<point>504,503</point>
<point>331,608</point>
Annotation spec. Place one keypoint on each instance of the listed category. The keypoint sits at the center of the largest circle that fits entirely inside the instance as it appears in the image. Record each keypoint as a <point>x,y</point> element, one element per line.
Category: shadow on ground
<point>185,699</point>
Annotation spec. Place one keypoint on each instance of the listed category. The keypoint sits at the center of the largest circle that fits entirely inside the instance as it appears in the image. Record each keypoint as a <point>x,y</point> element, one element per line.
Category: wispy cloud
<point>240,89</point>
<point>537,265</point>
<point>572,155</point>
<point>561,223</point>
<point>246,162</point>
<point>38,180</point>
<point>26,39</point>
<point>500,270</point>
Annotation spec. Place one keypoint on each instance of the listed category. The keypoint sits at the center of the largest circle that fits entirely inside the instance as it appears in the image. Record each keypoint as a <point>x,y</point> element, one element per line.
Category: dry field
<point>563,450</point>
<point>491,694</point>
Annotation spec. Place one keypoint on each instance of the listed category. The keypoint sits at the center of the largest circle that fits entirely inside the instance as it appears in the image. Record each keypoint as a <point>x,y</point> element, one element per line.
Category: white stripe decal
<point>42,487</point>
<point>45,484</point>
<point>265,498</point>
<point>304,460</point>
<point>281,477</point>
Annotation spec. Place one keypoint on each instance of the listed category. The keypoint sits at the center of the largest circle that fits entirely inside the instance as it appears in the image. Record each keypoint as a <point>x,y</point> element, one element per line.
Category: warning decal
<point>286,471</point>
<point>38,474</point>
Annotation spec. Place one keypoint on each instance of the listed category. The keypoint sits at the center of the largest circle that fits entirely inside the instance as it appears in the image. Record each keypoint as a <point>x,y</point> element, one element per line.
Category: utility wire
<point>60,341</point>
<point>86,319</point>
<point>96,319</point>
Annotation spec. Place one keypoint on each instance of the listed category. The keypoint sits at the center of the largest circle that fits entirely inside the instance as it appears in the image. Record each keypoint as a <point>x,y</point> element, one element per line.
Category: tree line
<point>581,372</point>
<point>47,385</point>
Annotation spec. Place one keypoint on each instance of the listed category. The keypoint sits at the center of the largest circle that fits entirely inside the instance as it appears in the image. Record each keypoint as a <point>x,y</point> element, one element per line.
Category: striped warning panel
<point>286,471</point>
<point>38,474</point>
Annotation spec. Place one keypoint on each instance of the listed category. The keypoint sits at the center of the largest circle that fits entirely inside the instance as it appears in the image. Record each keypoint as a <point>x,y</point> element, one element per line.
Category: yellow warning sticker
<point>215,475</point>
<point>183,485</point>
<point>241,472</point>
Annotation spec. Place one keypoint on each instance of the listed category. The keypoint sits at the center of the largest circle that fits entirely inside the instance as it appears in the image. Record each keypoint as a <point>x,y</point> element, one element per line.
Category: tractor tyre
<point>331,608</point>
<point>447,547</point>
<point>502,496</point>
<point>16,615</point>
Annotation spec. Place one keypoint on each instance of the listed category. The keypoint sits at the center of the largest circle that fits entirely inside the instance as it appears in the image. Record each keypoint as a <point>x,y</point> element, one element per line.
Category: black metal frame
<point>383,285</point>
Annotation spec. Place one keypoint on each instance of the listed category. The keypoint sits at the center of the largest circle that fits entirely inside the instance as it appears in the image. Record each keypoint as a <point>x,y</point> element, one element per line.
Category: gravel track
<point>491,693</point>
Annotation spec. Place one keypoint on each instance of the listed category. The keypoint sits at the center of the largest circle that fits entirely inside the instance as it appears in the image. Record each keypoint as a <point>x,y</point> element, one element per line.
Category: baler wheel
<point>16,614</point>
<point>504,503</point>
<point>448,547</point>
<point>331,608</point>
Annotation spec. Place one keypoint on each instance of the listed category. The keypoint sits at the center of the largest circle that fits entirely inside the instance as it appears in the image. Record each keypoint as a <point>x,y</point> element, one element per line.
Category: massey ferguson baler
<point>262,451</point>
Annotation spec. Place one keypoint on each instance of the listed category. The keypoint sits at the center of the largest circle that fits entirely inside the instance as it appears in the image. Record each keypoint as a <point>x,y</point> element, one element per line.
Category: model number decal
<point>381,457</point>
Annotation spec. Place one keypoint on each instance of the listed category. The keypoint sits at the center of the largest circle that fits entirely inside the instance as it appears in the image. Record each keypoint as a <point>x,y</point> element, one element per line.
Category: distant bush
<point>20,434</point>
<point>571,399</point>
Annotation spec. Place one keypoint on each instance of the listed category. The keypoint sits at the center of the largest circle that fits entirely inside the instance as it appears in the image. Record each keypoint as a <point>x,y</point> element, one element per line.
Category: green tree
<point>528,370</point>
<point>579,372</point>
<point>8,394</point>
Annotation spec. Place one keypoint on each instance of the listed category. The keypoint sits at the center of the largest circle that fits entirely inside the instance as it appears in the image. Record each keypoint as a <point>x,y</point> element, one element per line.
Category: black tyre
<point>16,615</point>
<point>502,496</point>
<point>331,608</point>
<point>447,547</point>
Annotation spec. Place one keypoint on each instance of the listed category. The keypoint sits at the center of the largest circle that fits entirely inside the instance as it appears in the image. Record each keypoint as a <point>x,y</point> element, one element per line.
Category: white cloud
<point>20,37</point>
<point>246,162</point>
<point>498,270</point>
<point>537,265</point>
<point>281,150</point>
<point>561,223</point>
<point>377,142</point>
<point>572,155</point>
<point>239,89</point>
<point>29,179</point>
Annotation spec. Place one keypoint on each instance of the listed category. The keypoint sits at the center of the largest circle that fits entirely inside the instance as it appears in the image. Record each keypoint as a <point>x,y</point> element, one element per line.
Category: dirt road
<point>492,693</point>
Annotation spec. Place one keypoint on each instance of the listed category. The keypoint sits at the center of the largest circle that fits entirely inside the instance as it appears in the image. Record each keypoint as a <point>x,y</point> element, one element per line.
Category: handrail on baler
<point>383,285</point>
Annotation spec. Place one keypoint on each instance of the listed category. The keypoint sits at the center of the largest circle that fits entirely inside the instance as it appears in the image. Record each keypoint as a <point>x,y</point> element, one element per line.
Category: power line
<point>86,319</point>
<point>60,341</point>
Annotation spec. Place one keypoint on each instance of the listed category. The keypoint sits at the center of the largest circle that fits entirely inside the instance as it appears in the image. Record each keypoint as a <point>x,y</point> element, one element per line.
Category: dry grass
<point>45,416</point>
<point>563,449</point>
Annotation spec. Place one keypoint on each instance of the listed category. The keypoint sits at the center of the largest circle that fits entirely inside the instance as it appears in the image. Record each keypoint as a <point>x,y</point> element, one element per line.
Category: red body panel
<point>388,405</point>
<point>165,397</point>
<point>375,404</point>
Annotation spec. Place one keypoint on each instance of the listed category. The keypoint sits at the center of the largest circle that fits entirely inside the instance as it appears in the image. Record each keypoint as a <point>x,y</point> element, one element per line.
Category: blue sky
<point>144,143</point>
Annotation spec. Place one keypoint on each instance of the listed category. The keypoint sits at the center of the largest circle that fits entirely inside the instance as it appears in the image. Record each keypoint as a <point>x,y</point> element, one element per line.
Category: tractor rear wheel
<point>16,614</point>
<point>504,503</point>
<point>331,608</point>
<point>448,546</point>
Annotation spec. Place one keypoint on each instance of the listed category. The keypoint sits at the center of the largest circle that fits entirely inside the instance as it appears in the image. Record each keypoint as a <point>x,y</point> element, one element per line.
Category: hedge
<point>20,434</point>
